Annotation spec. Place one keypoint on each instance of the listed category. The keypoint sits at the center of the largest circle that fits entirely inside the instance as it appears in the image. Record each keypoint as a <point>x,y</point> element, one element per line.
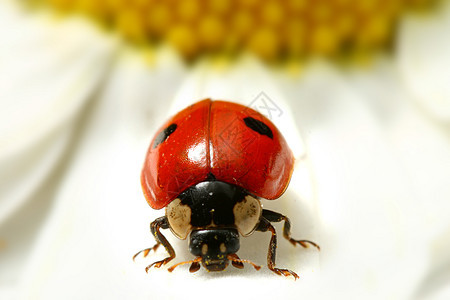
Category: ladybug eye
<point>163,135</point>
<point>246,215</point>
<point>258,126</point>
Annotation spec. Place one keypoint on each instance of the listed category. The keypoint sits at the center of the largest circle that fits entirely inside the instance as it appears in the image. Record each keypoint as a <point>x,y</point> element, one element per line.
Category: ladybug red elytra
<point>209,166</point>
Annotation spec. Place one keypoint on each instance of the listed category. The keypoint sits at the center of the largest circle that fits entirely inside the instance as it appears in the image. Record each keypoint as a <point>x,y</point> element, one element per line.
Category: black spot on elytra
<point>258,126</point>
<point>163,135</point>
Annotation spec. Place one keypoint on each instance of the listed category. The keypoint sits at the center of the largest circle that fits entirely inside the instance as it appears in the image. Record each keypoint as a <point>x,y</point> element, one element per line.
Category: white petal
<point>424,60</point>
<point>48,73</point>
<point>101,217</point>
<point>47,76</point>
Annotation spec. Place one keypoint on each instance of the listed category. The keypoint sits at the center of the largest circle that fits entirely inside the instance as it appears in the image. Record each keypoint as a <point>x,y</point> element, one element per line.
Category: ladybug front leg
<point>155,226</point>
<point>147,251</point>
<point>272,216</point>
<point>264,225</point>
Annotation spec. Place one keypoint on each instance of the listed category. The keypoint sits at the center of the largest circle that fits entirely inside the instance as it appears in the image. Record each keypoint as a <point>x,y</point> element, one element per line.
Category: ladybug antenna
<point>238,263</point>
<point>195,266</point>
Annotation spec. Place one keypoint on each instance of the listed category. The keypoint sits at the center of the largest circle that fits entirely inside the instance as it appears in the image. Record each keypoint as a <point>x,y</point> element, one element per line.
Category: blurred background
<point>361,91</point>
<point>275,31</point>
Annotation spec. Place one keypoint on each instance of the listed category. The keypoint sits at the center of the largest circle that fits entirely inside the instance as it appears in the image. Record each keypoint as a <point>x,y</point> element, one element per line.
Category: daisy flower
<point>359,89</point>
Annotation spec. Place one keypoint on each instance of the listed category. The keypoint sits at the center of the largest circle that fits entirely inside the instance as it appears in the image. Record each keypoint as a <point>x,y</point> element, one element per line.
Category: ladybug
<point>209,166</point>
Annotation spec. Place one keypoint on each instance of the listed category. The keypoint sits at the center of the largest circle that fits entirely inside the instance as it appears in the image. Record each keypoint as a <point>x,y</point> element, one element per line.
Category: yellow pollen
<point>272,30</point>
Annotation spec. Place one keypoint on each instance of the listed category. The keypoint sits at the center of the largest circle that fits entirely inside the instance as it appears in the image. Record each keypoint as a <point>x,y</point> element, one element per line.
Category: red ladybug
<point>209,165</point>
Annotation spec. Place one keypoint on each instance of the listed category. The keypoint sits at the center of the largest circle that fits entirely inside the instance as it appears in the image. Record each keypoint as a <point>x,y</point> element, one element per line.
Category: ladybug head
<point>214,246</point>
<point>213,214</point>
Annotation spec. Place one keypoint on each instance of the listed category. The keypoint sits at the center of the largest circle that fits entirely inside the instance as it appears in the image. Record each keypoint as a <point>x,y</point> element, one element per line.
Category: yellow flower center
<point>273,30</point>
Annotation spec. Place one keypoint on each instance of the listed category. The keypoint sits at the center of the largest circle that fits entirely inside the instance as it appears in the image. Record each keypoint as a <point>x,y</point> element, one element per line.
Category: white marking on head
<point>179,217</point>
<point>246,215</point>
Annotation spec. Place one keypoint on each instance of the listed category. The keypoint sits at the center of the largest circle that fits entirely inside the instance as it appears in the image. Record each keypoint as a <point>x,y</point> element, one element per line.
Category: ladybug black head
<point>214,214</point>
<point>214,246</point>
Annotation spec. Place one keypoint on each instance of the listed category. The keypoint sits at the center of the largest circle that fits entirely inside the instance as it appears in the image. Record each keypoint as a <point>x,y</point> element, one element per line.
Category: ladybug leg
<point>195,265</point>
<point>239,263</point>
<point>264,225</point>
<point>147,251</point>
<point>155,226</point>
<point>272,216</point>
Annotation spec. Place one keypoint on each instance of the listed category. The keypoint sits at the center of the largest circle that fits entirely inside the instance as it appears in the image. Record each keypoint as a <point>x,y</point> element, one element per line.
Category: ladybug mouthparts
<point>214,246</point>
